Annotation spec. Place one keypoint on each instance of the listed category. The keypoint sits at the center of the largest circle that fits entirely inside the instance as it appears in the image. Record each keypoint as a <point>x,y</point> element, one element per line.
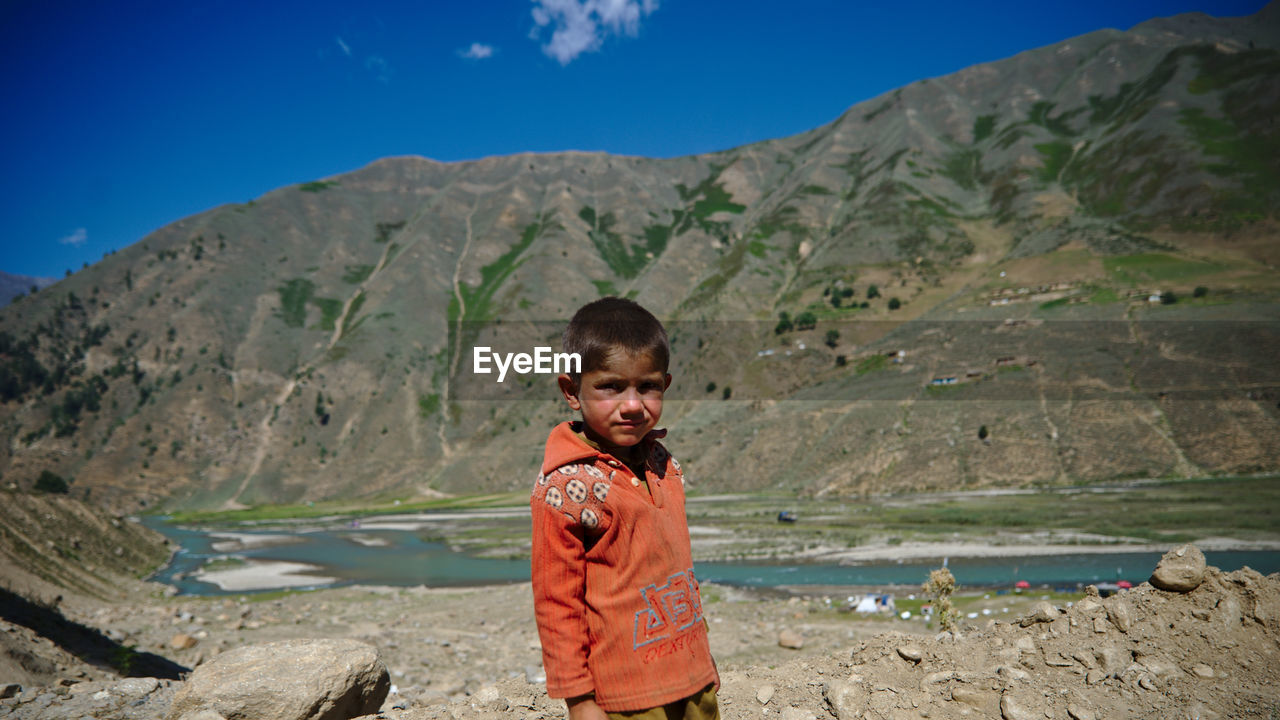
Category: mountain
<point>1070,254</point>
<point>13,287</point>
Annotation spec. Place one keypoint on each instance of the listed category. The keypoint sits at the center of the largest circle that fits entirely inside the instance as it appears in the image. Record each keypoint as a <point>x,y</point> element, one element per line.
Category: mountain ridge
<point>308,344</point>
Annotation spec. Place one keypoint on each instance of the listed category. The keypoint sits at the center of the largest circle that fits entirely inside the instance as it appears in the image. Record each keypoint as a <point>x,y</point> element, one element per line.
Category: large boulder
<point>286,680</point>
<point>1180,570</point>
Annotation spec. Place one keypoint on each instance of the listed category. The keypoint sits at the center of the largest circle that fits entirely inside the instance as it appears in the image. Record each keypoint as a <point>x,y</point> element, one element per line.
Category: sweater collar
<point>564,446</point>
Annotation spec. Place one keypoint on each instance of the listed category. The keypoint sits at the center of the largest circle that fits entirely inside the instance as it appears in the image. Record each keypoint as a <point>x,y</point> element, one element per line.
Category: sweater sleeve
<point>558,568</point>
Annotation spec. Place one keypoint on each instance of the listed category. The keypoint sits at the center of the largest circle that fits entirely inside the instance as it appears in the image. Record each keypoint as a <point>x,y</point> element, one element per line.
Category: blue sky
<point>123,117</point>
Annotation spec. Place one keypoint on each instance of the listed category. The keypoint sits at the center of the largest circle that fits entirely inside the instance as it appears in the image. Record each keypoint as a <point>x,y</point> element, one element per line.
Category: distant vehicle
<point>786,516</point>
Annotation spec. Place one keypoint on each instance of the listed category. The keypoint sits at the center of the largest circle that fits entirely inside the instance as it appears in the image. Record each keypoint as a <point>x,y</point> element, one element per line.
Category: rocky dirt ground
<point>1213,651</point>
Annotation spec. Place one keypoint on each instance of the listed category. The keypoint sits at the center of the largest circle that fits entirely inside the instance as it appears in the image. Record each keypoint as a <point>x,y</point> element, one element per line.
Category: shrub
<point>784,323</point>
<point>833,338</point>
<point>939,587</point>
<point>1200,291</point>
<point>1168,298</point>
<point>894,303</point>
<point>872,292</point>
<point>51,482</point>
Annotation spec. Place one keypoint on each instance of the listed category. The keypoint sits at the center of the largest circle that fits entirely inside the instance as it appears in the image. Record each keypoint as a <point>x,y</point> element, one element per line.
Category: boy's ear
<point>666,382</point>
<point>569,389</point>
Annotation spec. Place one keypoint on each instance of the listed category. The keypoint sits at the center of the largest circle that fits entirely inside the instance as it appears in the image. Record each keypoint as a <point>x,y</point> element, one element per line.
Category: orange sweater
<point>616,601</point>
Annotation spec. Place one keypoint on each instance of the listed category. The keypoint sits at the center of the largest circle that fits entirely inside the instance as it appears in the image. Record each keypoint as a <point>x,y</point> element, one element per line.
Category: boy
<point>614,593</point>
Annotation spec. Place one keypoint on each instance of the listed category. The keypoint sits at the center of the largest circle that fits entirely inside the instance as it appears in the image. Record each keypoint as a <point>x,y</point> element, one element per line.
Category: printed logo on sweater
<point>669,610</point>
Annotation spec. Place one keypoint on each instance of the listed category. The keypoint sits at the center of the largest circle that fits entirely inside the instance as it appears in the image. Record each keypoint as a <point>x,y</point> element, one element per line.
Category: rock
<point>1199,712</point>
<point>182,641</point>
<point>1017,708</point>
<point>795,713</point>
<point>982,700</point>
<point>1041,612</point>
<point>1227,613</point>
<point>287,680</point>
<point>1012,673</point>
<point>1202,671</point>
<point>1119,614</point>
<point>910,653</point>
<point>1096,676</point>
<point>1058,660</point>
<point>1113,660</point>
<point>1146,683</point>
<point>1100,624</point>
<point>1180,570</point>
<point>1080,712</point>
<point>489,698</point>
<point>8,690</point>
<point>935,678</point>
<point>135,687</point>
<point>764,694</point>
<point>790,639</point>
<point>1089,605</point>
<point>847,699</point>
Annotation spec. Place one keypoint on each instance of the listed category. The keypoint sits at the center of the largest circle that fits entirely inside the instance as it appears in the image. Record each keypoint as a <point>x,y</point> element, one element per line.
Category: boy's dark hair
<point>610,324</point>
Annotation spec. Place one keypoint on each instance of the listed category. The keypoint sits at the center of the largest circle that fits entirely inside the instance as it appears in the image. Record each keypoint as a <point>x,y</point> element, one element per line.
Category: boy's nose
<point>631,401</point>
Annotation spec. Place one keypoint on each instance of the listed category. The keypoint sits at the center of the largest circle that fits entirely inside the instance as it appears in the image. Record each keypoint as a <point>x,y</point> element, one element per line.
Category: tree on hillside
<point>784,323</point>
<point>806,321</point>
<point>833,338</point>
<point>894,303</point>
<point>51,482</point>
<point>873,292</point>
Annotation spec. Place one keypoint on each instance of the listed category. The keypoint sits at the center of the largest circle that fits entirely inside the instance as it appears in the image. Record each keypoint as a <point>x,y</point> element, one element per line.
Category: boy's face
<point>621,401</point>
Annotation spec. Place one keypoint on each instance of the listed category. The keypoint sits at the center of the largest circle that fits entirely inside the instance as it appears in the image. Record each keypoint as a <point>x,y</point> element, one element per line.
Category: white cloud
<point>346,49</point>
<point>76,239</point>
<point>580,26</point>
<point>477,51</point>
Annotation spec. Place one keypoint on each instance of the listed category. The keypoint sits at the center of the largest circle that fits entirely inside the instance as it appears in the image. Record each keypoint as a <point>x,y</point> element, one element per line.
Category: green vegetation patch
<point>1249,157</point>
<point>983,128</point>
<point>294,296</point>
<point>356,274</point>
<point>1133,269</point>
<point>346,508</point>
<point>428,405</point>
<point>479,298</point>
<point>1220,70</point>
<point>963,166</point>
<point>1056,156</point>
<point>871,363</point>
<point>318,186</point>
<point>383,230</point>
<point>1058,125</point>
<point>330,309</point>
